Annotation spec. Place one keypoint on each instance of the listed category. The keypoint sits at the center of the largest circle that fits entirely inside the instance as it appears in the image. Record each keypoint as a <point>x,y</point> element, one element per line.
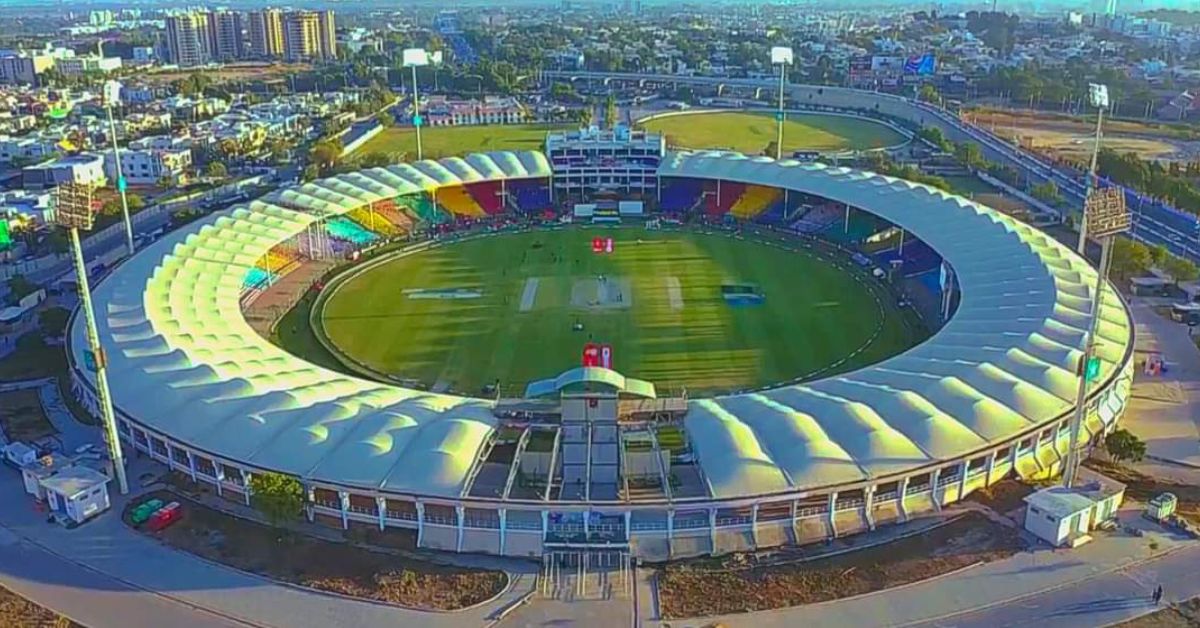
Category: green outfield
<point>462,315</point>
<point>448,141</point>
<point>751,132</point>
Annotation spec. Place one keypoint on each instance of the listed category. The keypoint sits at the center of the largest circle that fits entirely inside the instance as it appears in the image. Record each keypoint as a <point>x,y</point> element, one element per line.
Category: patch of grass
<point>438,142</point>
<point>22,416</point>
<point>325,565</point>
<point>33,359</point>
<point>813,316</point>
<point>697,589</point>
<point>752,132</point>
<point>18,612</point>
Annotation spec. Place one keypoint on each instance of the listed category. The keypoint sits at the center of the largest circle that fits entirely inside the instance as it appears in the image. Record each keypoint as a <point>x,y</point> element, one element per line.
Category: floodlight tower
<point>414,58</point>
<point>73,211</point>
<point>1106,216</point>
<point>781,56</point>
<point>1098,97</point>
<point>112,91</point>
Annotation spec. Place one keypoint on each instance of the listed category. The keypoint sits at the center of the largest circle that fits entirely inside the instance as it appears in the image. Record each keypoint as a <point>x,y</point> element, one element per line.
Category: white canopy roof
<point>185,362</point>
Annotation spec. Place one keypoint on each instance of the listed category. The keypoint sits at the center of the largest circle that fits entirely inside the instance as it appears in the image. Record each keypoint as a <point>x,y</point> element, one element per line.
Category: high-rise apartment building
<point>189,40</point>
<point>226,34</point>
<point>309,35</point>
<point>266,33</point>
<point>301,36</point>
<point>327,34</point>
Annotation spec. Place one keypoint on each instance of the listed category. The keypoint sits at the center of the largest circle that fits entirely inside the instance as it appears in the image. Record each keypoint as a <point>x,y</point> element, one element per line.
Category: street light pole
<point>1099,98</point>
<point>73,210</point>
<point>781,55</point>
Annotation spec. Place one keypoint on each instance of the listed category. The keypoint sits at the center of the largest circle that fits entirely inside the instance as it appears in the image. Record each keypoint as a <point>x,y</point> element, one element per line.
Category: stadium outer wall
<point>658,529</point>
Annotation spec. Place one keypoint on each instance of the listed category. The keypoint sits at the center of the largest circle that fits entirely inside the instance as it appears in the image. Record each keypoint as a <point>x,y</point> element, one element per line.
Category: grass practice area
<point>520,307</point>
<point>751,132</point>
<point>438,142</point>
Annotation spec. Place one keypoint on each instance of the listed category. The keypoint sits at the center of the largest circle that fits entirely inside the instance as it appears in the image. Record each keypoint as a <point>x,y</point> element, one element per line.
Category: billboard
<point>596,354</point>
<point>860,65</point>
<point>921,65</point>
<point>5,237</point>
<point>602,245</point>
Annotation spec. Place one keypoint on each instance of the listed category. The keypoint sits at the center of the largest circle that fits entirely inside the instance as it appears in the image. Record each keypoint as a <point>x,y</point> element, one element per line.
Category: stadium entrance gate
<point>586,574</point>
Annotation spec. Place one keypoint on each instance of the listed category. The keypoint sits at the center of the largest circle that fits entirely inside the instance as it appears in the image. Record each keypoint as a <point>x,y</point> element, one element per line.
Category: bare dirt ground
<point>320,564</point>
<point>697,589</point>
<point>232,72</point>
<point>1071,138</point>
<point>18,612</point>
<point>1182,615</point>
<point>1143,488</point>
<point>1004,496</point>
<point>22,417</point>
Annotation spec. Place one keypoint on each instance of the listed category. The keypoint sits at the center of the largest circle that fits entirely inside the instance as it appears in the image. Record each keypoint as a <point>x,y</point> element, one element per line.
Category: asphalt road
<point>76,591</point>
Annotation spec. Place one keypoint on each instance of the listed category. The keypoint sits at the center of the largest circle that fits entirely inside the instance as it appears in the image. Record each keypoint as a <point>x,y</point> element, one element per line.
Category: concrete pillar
<point>754,524</point>
<point>586,519</point>
<point>545,525</point>
<point>712,528</point>
<point>868,502</point>
<point>219,472</point>
<point>901,491</point>
<point>962,480</point>
<point>933,489</point>
<point>381,511</point>
<point>1037,449</point>
<point>344,507</point>
<point>420,523</point>
<point>246,484</point>
<point>191,463</point>
<point>503,528</point>
<point>832,514</point>
<point>628,531</point>
<point>460,511</point>
<point>310,495</point>
<point>670,525</point>
<point>991,466</point>
<point>1014,455</point>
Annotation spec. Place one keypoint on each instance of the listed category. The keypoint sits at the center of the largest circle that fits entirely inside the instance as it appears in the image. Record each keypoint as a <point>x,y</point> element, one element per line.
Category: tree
<point>20,287</point>
<point>1047,193</point>
<point>1159,255</point>
<point>278,497</point>
<point>929,93</point>
<point>772,146</point>
<point>610,111</point>
<point>969,154</point>
<point>934,136</point>
<point>326,153</point>
<point>562,91</point>
<point>310,172</point>
<point>1180,269</point>
<point>1130,257</point>
<point>376,160</point>
<point>584,116</point>
<point>385,119</point>
<point>1122,445</point>
<point>216,170</point>
<point>53,321</point>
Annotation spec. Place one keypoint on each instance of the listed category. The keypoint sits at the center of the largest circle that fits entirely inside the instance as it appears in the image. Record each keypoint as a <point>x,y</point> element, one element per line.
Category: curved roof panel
<point>183,361</point>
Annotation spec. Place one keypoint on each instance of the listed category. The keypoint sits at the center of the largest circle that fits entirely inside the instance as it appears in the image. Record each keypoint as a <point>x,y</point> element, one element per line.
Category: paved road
<point>1106,599</point>
<point>91,597</point>
<point>103,564</point>
<point>1164,411</point>
<point>1011,588</point>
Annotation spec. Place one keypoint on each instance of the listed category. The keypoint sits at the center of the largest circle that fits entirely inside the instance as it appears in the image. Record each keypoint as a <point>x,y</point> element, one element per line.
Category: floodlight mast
<point>73,211</point>
<point>1109,216</point>
<point>1098,97</point>
<point>112,91</point>
<point>781,56</point>
<point>414,58</point>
